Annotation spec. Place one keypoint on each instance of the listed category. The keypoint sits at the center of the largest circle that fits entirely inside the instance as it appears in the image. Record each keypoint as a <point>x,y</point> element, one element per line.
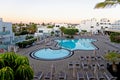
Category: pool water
<point>77,44</point>
<point>65,51</point>
<point>50,54</point>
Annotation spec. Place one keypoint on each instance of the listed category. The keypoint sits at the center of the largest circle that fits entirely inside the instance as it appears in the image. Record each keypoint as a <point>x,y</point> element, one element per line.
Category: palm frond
<point>105,4</point>
<point>6,73</point>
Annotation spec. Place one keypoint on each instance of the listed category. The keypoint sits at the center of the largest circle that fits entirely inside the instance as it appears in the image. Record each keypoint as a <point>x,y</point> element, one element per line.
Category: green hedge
<point>26,43</point>
<point>28,37</point>
<point>115,37</point>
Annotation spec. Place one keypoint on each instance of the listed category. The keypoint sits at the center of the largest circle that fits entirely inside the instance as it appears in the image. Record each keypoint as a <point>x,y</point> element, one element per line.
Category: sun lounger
<point>101,66</point>
<point>100,76</point>
<point>77,65</point>
<point>90,76</point>
<point>93,58</point>
<point>82,58</point>
<point>98,58</point>
<point>80,76</point>
<point>48,76</point>
<point>85,65</point>
<point>62,76</point>
<point>93,66</point>
<point>38,76</point>
<point>87,58</point>
<point>109,76</point>
<point>70,65</point>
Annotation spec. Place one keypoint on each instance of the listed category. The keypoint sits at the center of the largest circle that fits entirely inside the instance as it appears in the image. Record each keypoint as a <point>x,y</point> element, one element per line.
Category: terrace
<point>62,65</point>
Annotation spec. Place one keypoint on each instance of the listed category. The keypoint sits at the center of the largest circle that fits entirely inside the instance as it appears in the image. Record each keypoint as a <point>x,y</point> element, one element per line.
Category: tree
<point>70,32</point>
<point>115,37</point>
<point>107,3</point>
<point>113,57</point>
<point>62,30</point>
<point>50,26</point>
<point>24,72</point>
<point>6,73</point>
<point>2,63</point>
<point>32,28</point>
<point>14,66</point>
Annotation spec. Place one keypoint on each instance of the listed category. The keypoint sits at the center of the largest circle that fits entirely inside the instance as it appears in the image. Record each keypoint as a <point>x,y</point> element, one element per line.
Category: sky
<point>55,11</point>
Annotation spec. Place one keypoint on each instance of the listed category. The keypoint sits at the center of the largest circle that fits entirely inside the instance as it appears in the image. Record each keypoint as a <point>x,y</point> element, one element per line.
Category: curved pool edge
<point>37,58</point>
<point>93,44</point>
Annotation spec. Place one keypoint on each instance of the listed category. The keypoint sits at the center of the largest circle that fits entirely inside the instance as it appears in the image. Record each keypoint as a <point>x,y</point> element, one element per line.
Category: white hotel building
<point>42,31</point>
<point>115,27</point>
<point>95,26</point>
<point>6,34</point>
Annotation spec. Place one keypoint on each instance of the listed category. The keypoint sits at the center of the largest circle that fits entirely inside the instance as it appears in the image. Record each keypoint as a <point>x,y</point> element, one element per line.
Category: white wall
<point>8,27</point>
<point>89,25</point>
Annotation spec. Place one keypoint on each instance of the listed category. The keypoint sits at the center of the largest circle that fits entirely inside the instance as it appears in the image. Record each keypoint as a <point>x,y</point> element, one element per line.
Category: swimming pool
<point>77,44</point>
<point>67,46</point>
<point>50,54</point>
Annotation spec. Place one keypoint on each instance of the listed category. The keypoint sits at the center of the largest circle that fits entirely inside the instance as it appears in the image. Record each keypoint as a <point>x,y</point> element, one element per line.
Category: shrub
<point>26,43</point>
<point>29,37</point>
<point>115,37</point>
<point>16,68</point>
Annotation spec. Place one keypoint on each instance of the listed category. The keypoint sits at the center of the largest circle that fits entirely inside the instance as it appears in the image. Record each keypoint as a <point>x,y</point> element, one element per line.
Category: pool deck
<point>102,43</point>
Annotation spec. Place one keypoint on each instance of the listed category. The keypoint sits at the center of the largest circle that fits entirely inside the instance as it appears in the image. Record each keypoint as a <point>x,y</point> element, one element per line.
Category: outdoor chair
<point>82,58</point>
<point>109,76</point>
<point>101,66</point>
<point>90,76</point>
<point>85,66</point>
<point>70,65</point>
<point>93,66</point>
<point>77,65</point>
<point>98,58</point>
<point>87,58</point>
<point>62,76</point>
<point>38,76</point>
<point>48,76</point>
<point>100,76</point>
<point>80,76</point>
<point>93,58</point>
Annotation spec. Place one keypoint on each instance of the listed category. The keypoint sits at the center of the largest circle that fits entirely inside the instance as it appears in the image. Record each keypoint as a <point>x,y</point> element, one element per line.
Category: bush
<point>29,37</point>
<point>15,67</point>
<point>115,37</point>
<point>26,43</point>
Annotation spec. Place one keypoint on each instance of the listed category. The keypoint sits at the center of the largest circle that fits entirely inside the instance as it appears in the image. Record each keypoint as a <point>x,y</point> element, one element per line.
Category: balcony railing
<point>4,33</point>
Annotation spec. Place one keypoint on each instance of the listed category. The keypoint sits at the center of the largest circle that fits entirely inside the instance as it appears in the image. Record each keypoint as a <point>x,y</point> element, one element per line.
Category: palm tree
<point>24,72</point>
<point>113,57</point>
<point>15,67</point>
<point>107,3</point>
<point>62,30</point>
<point>9,59</point>
<point>6,73</point>
<point>20,60</point>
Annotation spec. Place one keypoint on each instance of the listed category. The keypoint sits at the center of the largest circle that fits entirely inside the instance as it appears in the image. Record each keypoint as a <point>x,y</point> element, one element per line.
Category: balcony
<point>4,33</point>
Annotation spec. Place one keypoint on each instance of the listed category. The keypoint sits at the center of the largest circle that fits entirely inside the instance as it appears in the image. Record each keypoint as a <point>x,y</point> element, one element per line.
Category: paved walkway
<point>62,65</point>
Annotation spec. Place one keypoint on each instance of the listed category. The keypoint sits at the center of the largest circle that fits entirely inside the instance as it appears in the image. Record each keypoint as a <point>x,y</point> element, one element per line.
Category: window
<point>92,26</point>
<point>40,31</point>
<point>97,24</point>
<point>57,26</point>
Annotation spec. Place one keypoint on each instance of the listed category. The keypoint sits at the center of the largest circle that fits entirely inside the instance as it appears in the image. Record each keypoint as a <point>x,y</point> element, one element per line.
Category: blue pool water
<point>67,45</point>
<point>49,54</point>
<point>77,44</point>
